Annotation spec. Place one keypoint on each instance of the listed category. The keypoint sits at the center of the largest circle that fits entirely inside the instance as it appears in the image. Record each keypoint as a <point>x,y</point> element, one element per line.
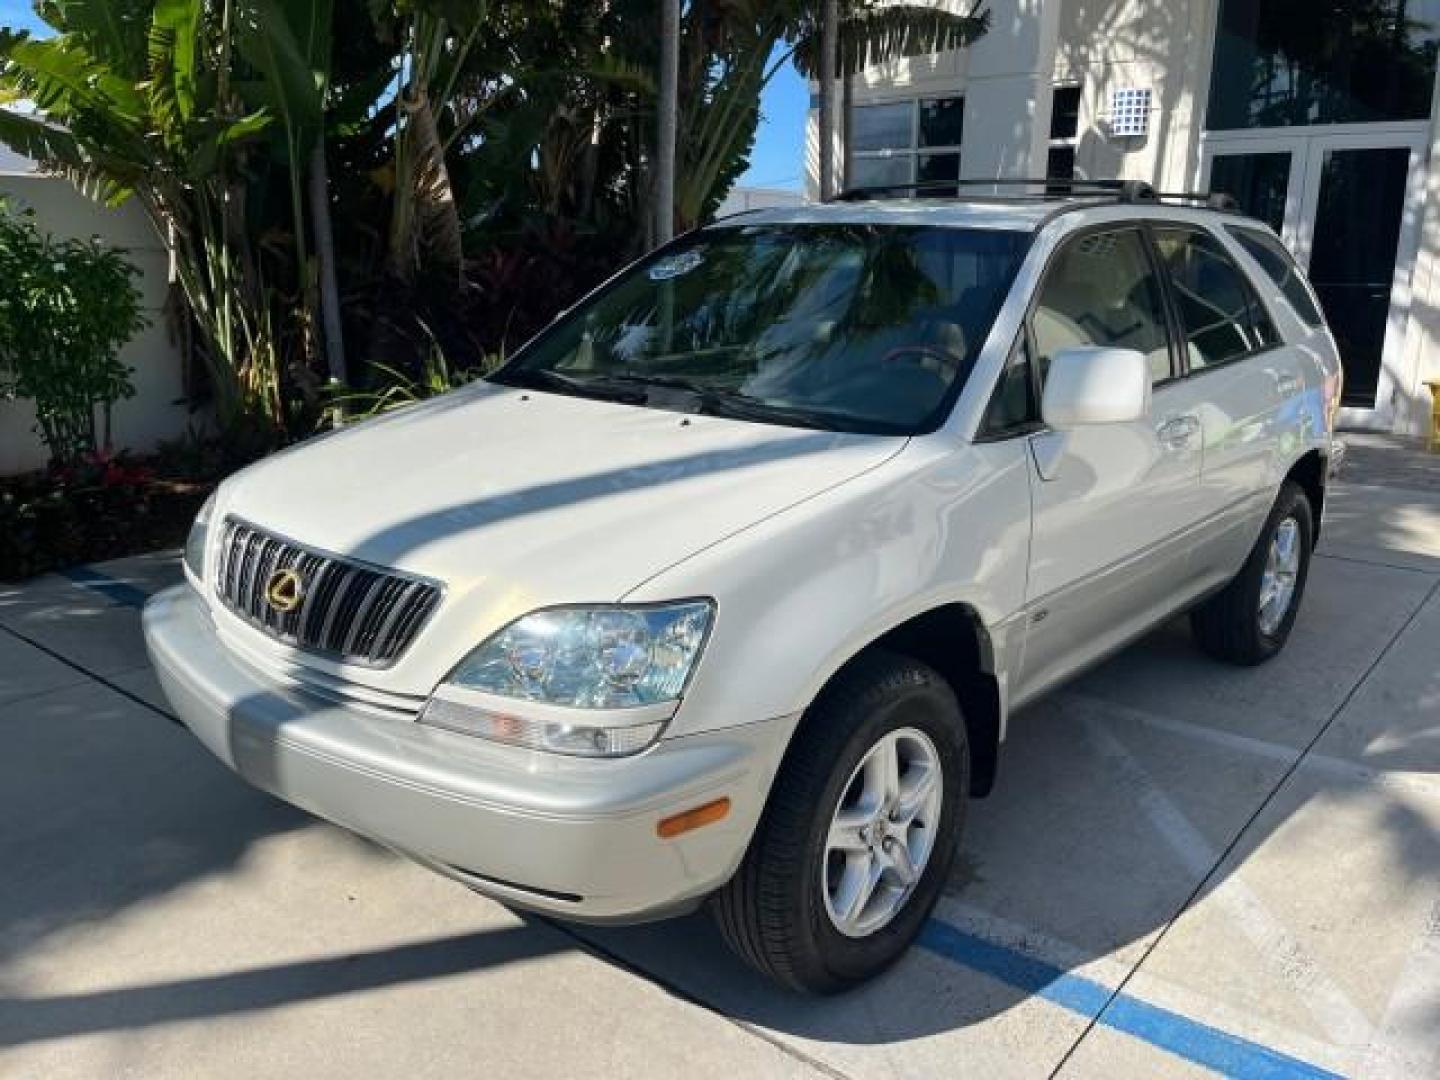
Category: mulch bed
<point>56,519</point>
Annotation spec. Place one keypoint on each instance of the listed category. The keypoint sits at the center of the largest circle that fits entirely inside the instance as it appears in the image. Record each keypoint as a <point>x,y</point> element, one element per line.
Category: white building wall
<point>740,199</point>
<point>157,411</point>
<point>1107,45</point>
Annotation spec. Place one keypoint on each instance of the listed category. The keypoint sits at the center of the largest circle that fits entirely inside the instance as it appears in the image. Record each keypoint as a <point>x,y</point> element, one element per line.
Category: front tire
<point>860,831</point>
<point>1249,621</point>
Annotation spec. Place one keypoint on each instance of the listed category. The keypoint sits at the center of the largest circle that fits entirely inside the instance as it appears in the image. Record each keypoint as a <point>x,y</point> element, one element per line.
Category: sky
<point>18,15</point>
<point>778,160</point>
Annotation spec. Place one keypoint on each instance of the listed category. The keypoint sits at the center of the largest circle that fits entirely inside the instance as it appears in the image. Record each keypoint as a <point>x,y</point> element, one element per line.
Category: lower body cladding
<point>573,837</point>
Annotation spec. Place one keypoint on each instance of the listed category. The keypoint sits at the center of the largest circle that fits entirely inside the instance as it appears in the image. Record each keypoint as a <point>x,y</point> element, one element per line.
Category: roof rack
<point>1122,191</point>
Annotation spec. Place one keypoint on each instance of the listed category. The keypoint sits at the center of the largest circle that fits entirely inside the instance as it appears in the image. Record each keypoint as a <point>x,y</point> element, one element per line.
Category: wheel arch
<point>1312,473</point>
<point>954,640</point>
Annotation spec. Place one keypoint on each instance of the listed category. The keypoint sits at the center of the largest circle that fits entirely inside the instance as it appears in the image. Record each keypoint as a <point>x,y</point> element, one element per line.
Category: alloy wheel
<point>1282,571</point>
<point>882,833</point>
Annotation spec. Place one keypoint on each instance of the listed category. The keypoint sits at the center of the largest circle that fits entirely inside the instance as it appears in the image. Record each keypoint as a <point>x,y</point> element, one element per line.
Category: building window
<point>1065,113</point>
<point>907,142</point>
<point>1064,133</point>
<point>1281,63</point>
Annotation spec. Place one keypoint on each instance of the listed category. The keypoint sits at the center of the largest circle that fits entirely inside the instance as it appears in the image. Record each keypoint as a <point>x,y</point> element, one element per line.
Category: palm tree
<point>666,111</point>
<point>135,101</point>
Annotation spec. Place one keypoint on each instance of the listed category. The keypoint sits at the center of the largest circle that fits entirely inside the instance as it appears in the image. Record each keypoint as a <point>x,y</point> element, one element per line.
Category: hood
<point>522,499</point>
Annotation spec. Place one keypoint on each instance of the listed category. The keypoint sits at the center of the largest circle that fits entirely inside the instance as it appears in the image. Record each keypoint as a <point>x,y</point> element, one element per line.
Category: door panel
<point>1111,503</point>
<point>1108,545</point>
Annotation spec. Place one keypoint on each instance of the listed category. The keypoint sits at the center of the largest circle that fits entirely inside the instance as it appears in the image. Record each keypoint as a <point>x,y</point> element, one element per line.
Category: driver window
<point>1101,291</point>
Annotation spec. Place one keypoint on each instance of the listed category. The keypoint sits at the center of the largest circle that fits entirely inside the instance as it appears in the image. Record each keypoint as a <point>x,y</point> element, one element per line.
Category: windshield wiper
<point>731,404</point>
<point>602,389</point>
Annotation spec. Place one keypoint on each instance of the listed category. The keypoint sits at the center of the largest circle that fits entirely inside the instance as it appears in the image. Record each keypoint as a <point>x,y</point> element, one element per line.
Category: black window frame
<point>1178,323</point>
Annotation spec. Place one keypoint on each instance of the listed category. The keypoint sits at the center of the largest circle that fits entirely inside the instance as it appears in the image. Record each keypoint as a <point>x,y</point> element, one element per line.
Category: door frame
<point>1307,148</point>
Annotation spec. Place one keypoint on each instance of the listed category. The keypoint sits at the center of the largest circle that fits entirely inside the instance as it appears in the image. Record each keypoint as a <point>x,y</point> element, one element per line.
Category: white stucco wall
<point>157,411</point>
<point>1106,45</point>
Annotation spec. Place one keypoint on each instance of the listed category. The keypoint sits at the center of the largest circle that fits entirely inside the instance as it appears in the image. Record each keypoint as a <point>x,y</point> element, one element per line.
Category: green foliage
<point>398,390</point>
<point>484,162</point>
<point>67,309</point>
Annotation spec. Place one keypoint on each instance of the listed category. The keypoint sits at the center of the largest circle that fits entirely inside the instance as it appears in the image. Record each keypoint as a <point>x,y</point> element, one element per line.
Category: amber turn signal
<point>690,820</point>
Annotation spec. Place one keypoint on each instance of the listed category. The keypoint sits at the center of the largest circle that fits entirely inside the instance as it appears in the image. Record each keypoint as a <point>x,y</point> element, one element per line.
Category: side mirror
<point>1086,386</point>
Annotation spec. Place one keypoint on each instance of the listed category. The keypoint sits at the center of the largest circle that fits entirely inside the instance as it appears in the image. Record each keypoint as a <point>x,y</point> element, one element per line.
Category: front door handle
<point>1179,432</point>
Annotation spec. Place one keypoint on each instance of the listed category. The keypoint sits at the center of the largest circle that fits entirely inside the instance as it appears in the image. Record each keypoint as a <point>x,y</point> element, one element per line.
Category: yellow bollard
<point>1434,443</point>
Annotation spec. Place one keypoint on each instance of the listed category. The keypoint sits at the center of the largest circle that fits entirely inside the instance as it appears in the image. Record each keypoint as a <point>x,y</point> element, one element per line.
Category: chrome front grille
<point>348,610</point>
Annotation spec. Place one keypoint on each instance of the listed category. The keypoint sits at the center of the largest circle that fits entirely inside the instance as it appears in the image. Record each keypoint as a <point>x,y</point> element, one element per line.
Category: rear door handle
<point>1288,385</point>
<point>1178,433</point>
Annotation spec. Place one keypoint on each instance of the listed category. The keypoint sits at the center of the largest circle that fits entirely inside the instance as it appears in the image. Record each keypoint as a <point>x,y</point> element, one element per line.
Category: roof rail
<point>1122,191</point>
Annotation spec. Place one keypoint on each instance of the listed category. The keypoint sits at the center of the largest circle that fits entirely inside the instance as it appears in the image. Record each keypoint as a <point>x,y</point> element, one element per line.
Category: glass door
<point>1347,203</point>
<point>1359,240</point>
<point>1265,176</point>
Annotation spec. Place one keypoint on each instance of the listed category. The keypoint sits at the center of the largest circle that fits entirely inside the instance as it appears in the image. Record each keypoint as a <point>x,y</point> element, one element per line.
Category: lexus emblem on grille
<point>284,591</point>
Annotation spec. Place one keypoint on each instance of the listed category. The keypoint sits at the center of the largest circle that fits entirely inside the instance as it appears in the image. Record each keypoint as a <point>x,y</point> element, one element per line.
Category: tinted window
<point>881,127</point>
<point>1276,261</point>
<point>1260,183</point>
<point>942,121</point>
<point>938,169</point>
<point>880,171</point>
<point>849,327</point>
<point>1287,62</point>
<point>1221,316</point>
<point>1101,290</point>
<point>1065,113</point>
<point>1061,163</point>
<point>1012,406</point>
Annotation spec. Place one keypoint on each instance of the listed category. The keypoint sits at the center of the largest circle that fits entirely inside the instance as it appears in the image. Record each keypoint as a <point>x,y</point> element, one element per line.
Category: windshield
<point>847,327</point>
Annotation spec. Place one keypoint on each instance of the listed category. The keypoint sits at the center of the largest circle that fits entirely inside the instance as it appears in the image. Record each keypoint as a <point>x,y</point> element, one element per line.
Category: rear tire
<point>1249,621</point>
<point>786,911</point>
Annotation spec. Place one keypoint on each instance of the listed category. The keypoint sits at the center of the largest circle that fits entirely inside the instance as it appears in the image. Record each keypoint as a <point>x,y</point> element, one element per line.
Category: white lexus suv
<point>723,588</point>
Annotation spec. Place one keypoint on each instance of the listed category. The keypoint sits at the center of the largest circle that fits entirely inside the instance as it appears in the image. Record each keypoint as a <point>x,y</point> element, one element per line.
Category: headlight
<point>199,539</point>
<point>595,681</point>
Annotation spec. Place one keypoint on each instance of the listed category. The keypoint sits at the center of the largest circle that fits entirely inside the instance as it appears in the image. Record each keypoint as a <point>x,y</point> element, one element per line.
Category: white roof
<point>1018,215</point>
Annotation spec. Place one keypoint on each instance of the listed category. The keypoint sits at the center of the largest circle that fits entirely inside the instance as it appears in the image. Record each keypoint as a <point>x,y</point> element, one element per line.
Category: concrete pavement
<point>1186,868</point>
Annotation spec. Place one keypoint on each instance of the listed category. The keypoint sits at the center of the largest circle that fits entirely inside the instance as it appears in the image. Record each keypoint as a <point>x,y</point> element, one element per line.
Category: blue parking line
<point>122,592</point>
<point>1199,1043</point>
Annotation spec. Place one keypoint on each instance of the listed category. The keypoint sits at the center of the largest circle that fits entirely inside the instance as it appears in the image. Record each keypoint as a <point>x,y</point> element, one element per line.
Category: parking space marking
<point>1198,1043</point>
<point>1426,784</point>
<point>121,592</point>
<point>1322,996</point>
<point>1405,1043</point>
<point>1110,971</point>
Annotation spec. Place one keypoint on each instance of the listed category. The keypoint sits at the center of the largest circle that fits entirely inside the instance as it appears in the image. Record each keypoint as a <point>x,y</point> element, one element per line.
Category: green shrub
<point>66,309</point>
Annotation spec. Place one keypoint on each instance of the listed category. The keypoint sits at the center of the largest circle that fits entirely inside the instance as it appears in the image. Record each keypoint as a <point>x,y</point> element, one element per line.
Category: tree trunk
<point>666,115</point>
<point>829,31</point>
<point>325,256</point>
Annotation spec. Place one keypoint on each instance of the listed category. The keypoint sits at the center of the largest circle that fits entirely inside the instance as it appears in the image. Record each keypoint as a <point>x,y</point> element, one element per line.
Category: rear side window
<point>1101,290</point>
<point>1278,264</point>
<point>1221,315</point>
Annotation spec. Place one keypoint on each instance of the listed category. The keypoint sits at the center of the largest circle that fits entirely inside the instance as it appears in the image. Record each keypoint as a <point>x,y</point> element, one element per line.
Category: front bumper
<point>568,836</point>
